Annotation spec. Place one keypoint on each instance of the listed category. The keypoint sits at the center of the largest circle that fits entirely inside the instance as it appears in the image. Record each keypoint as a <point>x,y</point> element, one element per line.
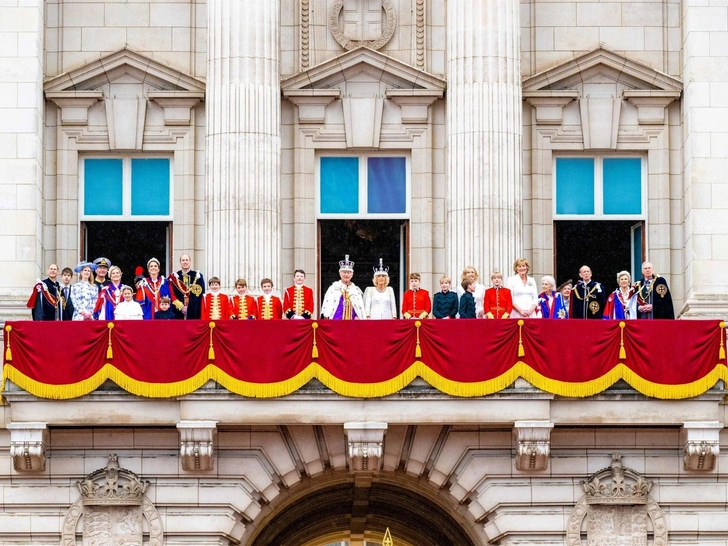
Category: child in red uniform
<point>269,306</point>
<point>497,302</point>
<point>416,302</point>
<point>298,299</point>
<point>243,305</point>
<point>215,305</point>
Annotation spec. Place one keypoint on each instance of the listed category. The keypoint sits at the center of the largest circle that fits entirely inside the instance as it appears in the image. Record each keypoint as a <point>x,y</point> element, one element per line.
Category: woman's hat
<point>81,265</point>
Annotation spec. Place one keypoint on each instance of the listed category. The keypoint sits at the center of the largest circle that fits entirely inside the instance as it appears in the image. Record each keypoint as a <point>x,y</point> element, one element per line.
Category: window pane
<point>387,185</point>
<point>574,185</point>
<point>339,185</point>
<point>150,187</point>
<point>102,187</point>
<point>623,185</point>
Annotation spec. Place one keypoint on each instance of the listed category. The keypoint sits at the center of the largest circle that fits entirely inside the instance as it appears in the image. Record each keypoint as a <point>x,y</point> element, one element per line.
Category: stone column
<point>705,138</point>
<point>483,207</point>
<point>243,142</point>
<point>27,236</point>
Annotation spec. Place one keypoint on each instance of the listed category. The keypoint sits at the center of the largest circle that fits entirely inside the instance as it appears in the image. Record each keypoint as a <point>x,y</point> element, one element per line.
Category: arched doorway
<point>355,510</point>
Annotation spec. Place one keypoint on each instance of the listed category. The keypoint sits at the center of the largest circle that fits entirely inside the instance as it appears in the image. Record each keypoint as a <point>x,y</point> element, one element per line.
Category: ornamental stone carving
<point>366,445</point>
<point>27,446</point>
<point>701,444</point>
<point>533,444</point>
<point>348,42</point>
<point>113,506</point>
<point>197,444</point>
<point>617,508</point>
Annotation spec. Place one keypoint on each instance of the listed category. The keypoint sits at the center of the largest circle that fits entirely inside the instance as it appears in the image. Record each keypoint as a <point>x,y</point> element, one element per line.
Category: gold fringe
<point>622,351</point>
<point>8,352</point>
<point>721,351</point>
<point>418,350</point>
<point>109,350</point>
<point>314,351</point>
<point>521,351</point>
<point>211,350</point>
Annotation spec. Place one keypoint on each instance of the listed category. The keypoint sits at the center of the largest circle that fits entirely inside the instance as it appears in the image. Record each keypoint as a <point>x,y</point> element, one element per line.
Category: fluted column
<point>243,141</point>
<point>483,135</point>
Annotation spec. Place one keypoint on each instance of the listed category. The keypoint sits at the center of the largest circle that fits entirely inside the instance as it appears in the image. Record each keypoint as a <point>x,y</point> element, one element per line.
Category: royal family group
<point>99,294</point>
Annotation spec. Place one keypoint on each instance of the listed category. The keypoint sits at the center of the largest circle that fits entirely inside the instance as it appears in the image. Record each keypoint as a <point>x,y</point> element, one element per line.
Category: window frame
<point>126,215</point>
<point>599,187</point>
<point>363,187</point>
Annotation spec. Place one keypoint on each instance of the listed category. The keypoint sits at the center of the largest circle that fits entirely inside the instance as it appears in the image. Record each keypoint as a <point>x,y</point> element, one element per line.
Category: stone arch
<point>364,505</point>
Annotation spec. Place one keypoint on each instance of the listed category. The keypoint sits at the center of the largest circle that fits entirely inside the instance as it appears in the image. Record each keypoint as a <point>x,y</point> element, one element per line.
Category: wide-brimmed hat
<point>81,265</point>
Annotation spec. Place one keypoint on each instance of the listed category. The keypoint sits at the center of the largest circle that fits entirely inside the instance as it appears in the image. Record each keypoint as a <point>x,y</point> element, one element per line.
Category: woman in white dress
<point>471,274</point>
<point>379,302</point>
<point>523,290</point>
<point>84,293</point>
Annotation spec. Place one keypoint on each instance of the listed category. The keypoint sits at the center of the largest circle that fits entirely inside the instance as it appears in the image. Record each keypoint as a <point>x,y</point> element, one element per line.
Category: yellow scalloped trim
<point>365,390</point>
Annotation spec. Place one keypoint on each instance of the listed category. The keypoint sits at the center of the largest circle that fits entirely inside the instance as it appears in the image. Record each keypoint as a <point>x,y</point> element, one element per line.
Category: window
<point>125,188</point>
<point>606,188</point>
<point>366,186</point>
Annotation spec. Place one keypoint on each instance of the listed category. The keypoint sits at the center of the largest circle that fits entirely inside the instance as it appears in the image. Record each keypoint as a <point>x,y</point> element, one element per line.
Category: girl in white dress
<point>84,293</point>
<point>128,309</point>
<point>523,290</point>
<point>379,302</point>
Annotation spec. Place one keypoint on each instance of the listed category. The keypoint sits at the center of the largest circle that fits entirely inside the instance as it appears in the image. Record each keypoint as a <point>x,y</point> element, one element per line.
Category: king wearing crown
<point>344,300</point>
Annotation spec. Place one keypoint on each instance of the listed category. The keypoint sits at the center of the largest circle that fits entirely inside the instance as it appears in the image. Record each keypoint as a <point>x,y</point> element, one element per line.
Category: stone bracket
<point>74,105</point>
<point>177,105</point>
<point>533,444</point>
<point>366,445</point>
<point>651,104</point>
<point>197,444</point>
<point>549,105</point>
<point>312,103</point>
<point>700,444</point>
<point>27,446</point>
<point>414,103</point>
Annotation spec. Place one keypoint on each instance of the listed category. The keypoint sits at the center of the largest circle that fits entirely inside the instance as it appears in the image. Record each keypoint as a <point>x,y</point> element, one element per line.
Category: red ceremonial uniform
<point>215,306</point>
<point>298,301</point>
<point>498,303</point>
<point>271,309</point>
<point>416,303</point>
<point>243,307</point>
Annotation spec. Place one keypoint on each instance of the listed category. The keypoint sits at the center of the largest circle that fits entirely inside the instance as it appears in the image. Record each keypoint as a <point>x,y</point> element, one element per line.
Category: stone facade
<point>481,98</point>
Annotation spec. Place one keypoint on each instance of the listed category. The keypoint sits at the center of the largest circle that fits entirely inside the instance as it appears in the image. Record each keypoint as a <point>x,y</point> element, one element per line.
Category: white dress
<point>84,296</point>
<point>128,310</point>
<point>380,305</point>
<point>524,295</point>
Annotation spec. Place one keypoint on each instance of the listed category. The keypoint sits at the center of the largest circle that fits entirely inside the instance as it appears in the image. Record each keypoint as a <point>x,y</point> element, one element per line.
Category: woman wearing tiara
<point>379,302</point>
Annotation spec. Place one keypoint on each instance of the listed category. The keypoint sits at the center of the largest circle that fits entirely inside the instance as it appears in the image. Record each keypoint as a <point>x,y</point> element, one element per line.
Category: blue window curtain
<point>386,185</point>
<point>574,185</point>
<point>339,185</point>
<point>622,191</point>
<point>103,187</point>
<point>150,187</point>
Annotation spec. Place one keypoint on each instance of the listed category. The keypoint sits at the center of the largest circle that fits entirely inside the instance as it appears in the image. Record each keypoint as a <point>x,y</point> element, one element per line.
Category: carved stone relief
<point>618,510</point>
<point>113,506</point>
<point>368,32</point>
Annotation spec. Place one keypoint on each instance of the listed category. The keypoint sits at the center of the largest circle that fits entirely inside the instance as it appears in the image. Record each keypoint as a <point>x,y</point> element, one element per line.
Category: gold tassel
<point>721,351</point>
<point>521,350</point>
<point>211,351</point>
<point>622,351</point>
<point>9,353</point>
<point>314,351</point>
<point>109,350</point>
<point>418,350</point>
